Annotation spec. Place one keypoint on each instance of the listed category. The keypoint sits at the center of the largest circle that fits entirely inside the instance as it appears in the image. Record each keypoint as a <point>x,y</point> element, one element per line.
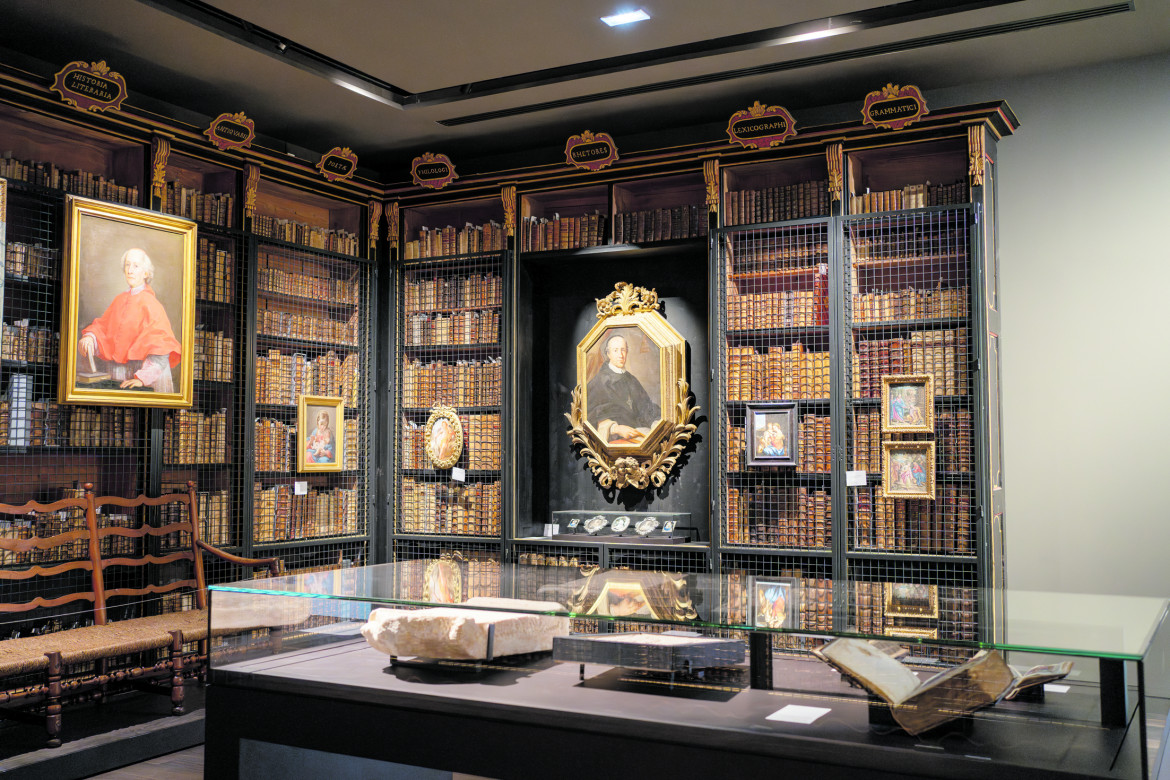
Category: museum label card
<point>855,479</point>
<point>458,475</point>
<point>797,713</point>
<point>300,488</point>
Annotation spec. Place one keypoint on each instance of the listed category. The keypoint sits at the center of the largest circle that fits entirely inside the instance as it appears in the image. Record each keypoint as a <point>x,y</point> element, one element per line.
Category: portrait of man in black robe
<point>617,403</point>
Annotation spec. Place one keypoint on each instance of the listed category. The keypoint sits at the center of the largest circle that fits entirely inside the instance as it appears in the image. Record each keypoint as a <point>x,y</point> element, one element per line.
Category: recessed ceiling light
<point>625,18</point>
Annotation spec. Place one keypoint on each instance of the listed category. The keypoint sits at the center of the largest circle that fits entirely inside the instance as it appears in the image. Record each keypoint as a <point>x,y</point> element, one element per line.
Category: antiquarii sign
<point>231,131</point>
<point>433,171</point>
<point>92,87</point>
<point>761,126</point>
<point>893,107</point>
<point>591,151</point>
<point>338,164</point>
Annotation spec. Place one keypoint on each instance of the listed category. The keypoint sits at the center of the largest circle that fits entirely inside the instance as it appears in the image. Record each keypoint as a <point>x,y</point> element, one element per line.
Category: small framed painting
<point>771,433</point>
<point>908,403</point>
<point>908,469</point>
<point>910,600</point>
<point>774,602</point>
<point>907,632</point>
<point>319,445</point>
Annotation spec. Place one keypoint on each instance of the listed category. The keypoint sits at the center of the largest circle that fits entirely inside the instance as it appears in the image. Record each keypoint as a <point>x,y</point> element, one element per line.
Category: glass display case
<point>794,699</point>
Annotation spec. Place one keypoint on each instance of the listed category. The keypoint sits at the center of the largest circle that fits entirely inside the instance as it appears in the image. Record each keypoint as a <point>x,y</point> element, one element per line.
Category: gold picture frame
<point>320,438</point>
<point>631,412</point>
<point>908,403</point>
<point>443,437</point>
<point>907,632</point>
<point>909,600</point>
<point>908,469</point>
<point>127,265</point>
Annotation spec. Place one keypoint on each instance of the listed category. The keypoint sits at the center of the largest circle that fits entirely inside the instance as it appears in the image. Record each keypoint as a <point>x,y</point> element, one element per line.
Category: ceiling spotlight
<point>626,18</point>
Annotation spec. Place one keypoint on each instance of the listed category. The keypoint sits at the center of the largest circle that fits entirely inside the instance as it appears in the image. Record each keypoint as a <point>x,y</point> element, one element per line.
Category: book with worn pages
<point>920,705</point>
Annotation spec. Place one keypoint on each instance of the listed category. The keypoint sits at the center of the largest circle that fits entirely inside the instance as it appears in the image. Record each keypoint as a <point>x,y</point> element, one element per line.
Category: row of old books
<point>272,444</point>
<point>450,508</point>
<point>939,527</point>
<point>766,253</point>
<point>813,446</point>
<point>215,268</point>
<point>471,291</point>
<point>214,208</point>
<point>774,204</point>
<point>481,443</point>
<point>283,379</point>
<point>214,356</point>
<point>42,525</point>
<point>778,516</point>
<point>48,424</point>
<point>941,239</point>
<point>777,374</point>
<point>191,438</point>
<point>462,383</point>
<point>32,343</point>
<point>89,185</point>
<point>32,261</point>
<point>214,508</point>
<point>280,516</point>
<point>539,234</point>
<point>912,196</point>
<point>781,309</point>
<point>467,240</point>
<point>940,353</point>
<point>274,279</point>
<point>665,224</point>
<point>956,617</point>
<point>274,322</point>
<point>910,303</point>
<point>465,327</point>
<point>331,240</point>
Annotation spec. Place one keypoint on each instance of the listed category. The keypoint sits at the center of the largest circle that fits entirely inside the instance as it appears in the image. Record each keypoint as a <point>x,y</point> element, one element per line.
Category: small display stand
<point>671,652</point>
<point>616,526</point>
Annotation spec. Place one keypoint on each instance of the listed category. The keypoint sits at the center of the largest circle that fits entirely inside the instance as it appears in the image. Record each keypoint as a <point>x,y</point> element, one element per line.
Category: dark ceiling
<point>474,78</point>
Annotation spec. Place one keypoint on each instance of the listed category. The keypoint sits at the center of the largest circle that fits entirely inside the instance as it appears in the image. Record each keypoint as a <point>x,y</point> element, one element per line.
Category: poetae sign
<point>433,171</point>
<point>893,107</point>
<point>338,164</point>
<point>231,131</point>
<point>92,87</point>
<point>761,126</point>
<point>591,151</point>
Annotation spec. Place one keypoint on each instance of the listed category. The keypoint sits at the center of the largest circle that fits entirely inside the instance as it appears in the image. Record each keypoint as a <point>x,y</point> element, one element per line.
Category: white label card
<point>854,479</point>
<point>458,475</point>
<point>1054,688</point>
<point>798,713</point>
<point>300,488</point>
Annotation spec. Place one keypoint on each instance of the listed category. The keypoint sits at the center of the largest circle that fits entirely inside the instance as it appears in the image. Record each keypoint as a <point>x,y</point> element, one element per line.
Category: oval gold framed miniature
<point>443,437</point>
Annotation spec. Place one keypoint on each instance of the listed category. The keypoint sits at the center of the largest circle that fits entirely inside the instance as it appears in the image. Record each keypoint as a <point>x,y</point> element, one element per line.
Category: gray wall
<point>1084,209</point>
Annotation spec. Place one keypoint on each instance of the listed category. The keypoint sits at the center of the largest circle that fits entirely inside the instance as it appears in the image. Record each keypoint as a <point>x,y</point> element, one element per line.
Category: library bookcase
<point>284,274</point>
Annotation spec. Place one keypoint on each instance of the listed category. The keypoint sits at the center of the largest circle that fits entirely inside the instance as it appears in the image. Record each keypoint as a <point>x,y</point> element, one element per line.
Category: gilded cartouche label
<point>231,131</point>
<point>433,171</point>
<point>338,164</point>
<point>893,107</point>
<point>92,87</point>
<point>591,151</point>
<point>761,126</point>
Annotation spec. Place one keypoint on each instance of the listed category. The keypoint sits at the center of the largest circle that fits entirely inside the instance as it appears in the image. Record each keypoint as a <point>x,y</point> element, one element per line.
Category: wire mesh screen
<point>742,572</point>
<point>554,572</point>
<point>450,355</point>
<point>915,600</point>
<point>204,444</point>
<point>312,348</point>
<point>478,564</point>
<point>48,450</point>
<point>776,448</point>
<point>909,383</point>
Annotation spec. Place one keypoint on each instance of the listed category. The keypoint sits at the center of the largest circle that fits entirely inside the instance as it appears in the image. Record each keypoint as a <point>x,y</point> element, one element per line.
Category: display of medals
<point>646,527</point>
<point>594,524</point>
<point>620,524</point>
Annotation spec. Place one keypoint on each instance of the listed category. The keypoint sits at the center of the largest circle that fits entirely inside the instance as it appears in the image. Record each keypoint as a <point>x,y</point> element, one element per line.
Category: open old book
<point>919,705</point>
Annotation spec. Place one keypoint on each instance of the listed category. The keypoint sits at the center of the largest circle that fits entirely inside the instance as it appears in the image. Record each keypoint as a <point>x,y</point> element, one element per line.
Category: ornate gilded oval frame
<point>443,437</point>
<point>657,420</point>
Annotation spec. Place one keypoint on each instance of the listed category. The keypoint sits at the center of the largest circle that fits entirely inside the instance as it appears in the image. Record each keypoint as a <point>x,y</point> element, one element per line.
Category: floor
<point>184,765</point>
